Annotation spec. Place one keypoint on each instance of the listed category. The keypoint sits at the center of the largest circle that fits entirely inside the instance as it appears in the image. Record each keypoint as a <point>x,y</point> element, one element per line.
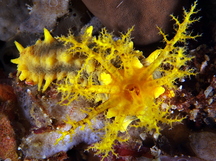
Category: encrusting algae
<point>124,86</point>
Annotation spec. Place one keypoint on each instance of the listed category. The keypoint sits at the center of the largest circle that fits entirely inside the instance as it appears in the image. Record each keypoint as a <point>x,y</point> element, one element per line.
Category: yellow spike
<point>47,36</point>
<point>89,31</point>
<point>19,46</point>
<point>49,78</point>
<point>15,61</point>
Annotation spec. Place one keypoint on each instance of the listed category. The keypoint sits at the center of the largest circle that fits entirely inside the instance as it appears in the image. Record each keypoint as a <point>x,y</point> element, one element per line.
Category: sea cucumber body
<point>45,60</point>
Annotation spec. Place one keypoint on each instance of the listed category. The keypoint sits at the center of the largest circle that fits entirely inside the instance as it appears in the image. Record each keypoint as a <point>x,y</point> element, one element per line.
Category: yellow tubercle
<point>64,58</point>
<point>105,78</point>
<point>90,67</point>
<point>48,37</point>
<point>136,63</point>
<point>19,46</point>
<point>15,61</point>
<point>158,91</point>
<point>50,62</point>
<point>88,31</point>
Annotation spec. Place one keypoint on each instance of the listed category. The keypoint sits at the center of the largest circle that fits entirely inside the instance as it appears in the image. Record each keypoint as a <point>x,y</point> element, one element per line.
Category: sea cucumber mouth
<point>131,90</point>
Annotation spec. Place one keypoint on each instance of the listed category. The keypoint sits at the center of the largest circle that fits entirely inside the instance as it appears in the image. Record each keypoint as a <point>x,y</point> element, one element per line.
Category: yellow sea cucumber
<point>126,86</point>
<point>46,60</point>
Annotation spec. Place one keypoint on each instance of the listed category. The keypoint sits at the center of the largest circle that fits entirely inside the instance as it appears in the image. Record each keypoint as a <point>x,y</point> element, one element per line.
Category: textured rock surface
<point>47,119</point>
<point>145,15</point>
<point>204,144</point>
<point>44,14</point>
<point>6,93</point>
<point>168,158</point>
<point>44,145</point>
<point>8,108</point>
<point>8,146</point>
<point>12,14</point>
<point>31,16</point>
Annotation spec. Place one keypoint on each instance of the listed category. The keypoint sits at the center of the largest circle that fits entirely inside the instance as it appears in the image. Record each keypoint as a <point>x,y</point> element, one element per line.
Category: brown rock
<point>145,15</point>
<point>204,144</point>
<point>8,146</point>
<point>6,93</point>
